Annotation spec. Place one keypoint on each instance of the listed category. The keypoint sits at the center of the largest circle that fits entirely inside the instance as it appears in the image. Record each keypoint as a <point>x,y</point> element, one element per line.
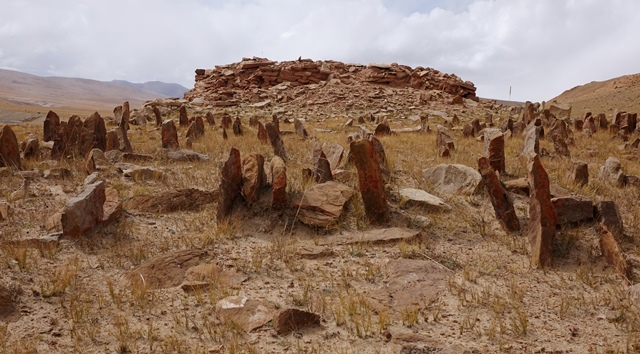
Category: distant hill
<point>31,97</point>
<point>156,87</point>
<point>621,93</point>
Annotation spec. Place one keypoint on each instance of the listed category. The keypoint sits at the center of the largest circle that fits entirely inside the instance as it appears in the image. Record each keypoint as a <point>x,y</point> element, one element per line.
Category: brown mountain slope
<point>25,96</point>
<point>621,93</point>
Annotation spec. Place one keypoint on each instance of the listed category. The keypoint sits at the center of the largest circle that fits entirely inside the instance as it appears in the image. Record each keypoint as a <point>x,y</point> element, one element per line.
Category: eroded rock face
<point>502,204</point>
<point>9,149</point>
<point>494,149</point>
<point>321,205</point>
<point>370,181</point>
<point>84,211</point>
<point>542,215</point>
<point>230,184</point>
<point>454,179</point>
<point>253,177</point>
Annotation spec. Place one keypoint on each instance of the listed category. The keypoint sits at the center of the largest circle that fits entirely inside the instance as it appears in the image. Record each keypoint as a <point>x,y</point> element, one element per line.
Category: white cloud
<point>539,47</point>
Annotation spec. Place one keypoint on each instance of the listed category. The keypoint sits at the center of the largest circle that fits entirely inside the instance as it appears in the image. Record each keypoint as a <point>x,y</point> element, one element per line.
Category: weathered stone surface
<point>230,184</point>
<point>126,117</point>
<point>169,135</point>
<point>196,129</point>
<point>334,153</point>
<point>418,197</point>
<point>84,211</point>
<point>126,144</point>
<point>454,179</point>
<point>313,252</point>
<point>365,157</point>
<point>181,200</point>
<point>611,172</point>
<point>502,204</point>
<point>573,210</point>
<point>112,207</point>
<point>225,122</point>
<point>211,120</point>
<point>237,127</point>
<point>494,149</point>
<point>443,139</point>
<point>531,140</point>
<point>321,205</point>
<point>93,135</point>
<point>51,126</point>
<point>300,129</point>
<point>113,143</point>
<point>262,133</point>
<point>243,312</point>
<point>7,307</point>
<point>166,270</point>
<point>31,147</point>
<point>141,173</point>
<point>409,284</point>
<point>253,177</point>
<point>612,252</point>
<point>157,115</point>
<point>579,173</point>
<point>377,236</point>
<point>96,160</point>
<point>382,129</point>
<point>184,119</point>
<point>278,182</point>
<point>542,215</point>
<point>608,215</point>
<point>186,155</point>
<point>213,274</point>
<point>291,320</point>
<point>9,149</point>
<point>276,141</point>
<point>321,166</point>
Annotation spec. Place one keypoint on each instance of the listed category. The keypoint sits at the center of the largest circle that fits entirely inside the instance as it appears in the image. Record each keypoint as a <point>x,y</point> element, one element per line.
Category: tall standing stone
<point>9,149</point>
<point>370,180</point>
<point>262,134</point>
<point>196,129</point>
<point>210,119</point>
<point>494,149</point>
<point>579,173</point>
<point>502,204</point>
<point>184,119</point>
<point>542,216</point>
<point>169,135</point>
<point>117,114</point>
<point>237,127</point>
<point>51,126</point>
<point>443,139</point>
<point>278,182</point>
<point>158,115</point>
<point>126,116</point>
<point>531,140</point>
<point>230,184</point>
<point>84,211</point>
<point>113,143</point>
<point>126,146</point>
<point>253,177</point>
<point>528,114</point>
<point>322,168</point>
<point>276,141</point>
<point>93,135</point>
<point>226,121</point>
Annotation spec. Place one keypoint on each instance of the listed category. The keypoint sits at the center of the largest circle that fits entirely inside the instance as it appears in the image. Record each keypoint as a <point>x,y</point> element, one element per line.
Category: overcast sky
<point>538,47</point>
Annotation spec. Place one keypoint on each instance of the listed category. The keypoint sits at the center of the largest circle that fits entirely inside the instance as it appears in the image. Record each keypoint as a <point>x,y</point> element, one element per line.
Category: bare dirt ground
<point>460,284</point>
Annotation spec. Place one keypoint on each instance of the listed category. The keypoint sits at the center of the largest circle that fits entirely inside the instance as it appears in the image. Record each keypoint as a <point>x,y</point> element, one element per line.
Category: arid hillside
<point>27,97</point>
<point>621,93</point>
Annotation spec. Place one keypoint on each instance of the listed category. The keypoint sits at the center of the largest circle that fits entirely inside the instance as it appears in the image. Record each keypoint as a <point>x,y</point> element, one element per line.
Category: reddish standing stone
<point>572,210</point>
<point>230,185</point>
<point>184,118</point>
<point>253,177</point>
<point>262,134</point>
<point>113,143</point>
<point>158,115</point>
<point>237,127</point>
<point>224,134</point>
<point>226,121</point>
<point>278,182</point>
<point>276,141</point>
<point>93,135</point>
<point>502,204</point>
<point>382,129</point>
<point>210,119</point>
<point>370,180</point>
<point>542,215</point>
<point>494,149</point>
<point>169,135</point>
<point>196,129</point>
<point>9,149</point>
<point>51,126</point>
<point>126,116</point>
<point>579,173</point>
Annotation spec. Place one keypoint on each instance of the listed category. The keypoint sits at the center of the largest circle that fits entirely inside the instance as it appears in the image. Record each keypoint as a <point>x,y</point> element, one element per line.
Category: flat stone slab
<point>245,313</point>
<point>418,197</point>
<point>313,252</point>
<point>322,204</point>
<point>379,236</point>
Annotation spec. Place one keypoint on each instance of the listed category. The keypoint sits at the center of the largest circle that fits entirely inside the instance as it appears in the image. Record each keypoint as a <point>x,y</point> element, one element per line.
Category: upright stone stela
<point>370,181</point>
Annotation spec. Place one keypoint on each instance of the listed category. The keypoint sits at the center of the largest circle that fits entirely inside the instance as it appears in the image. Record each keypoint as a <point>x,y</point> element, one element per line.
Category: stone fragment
<point>579,173</point>
<point>184,119</point>
<point>84,211</point>
<point>113,143</point>
<point>382,129</point>
<point>454,179</point>
<point>166,270</point>
<point>276,141</point>
<point>291,320</point>
<point>370,180</point>
<point>300,129</point>
<point>169,135</point>
<point>31,147</point>
<point>612,253</point>
<point>334,153</point>
<point>112,207</point>
<point>93,134</point>
<point>9,149</point>
<point>321,166</point>
<point>157,115</point>
<point>494,149</point>
<point>210,119</point>
<point>443,139</point>
<point>611,172</point>
<point>253,177</point>
<point>243,312</point>
<point>278,182</point>
<point>573,210</point>
<point>181,200</point>
<point>230,184</point>
<point>51,126</point>
<point>186,155</point>
<point>502,203</point>
<point>542,215</point>
<point>418,197</point>
<point>237,127</point>
<point>531,140</point>
<point>321,205</point>
<point>262,133</point>
<point>608,215</point>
